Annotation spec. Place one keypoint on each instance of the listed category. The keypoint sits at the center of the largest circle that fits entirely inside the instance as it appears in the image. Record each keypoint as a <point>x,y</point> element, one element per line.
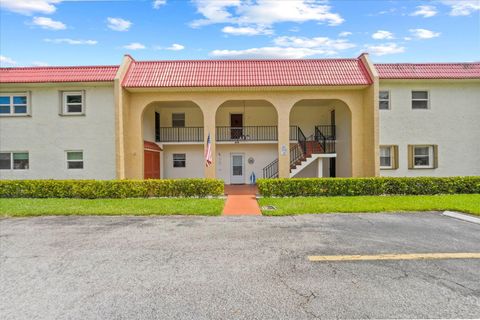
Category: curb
<point>460,216</point>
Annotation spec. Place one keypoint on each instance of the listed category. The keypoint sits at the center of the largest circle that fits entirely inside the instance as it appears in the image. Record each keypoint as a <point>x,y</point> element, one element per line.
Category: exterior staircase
<point>305,151</point>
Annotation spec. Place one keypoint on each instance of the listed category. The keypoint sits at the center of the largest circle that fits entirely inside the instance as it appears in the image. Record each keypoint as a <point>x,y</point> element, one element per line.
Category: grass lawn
<point>469,203</point>
<point>167,206</point>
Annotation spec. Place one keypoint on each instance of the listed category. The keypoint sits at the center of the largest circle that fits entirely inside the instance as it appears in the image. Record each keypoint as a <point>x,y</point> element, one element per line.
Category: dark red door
<point>151,164</point>
<point>236,124</point>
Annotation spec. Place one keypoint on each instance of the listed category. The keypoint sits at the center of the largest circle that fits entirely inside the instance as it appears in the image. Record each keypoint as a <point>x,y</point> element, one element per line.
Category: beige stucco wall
<point>451,122</point>
<point>262,154</point>
<point>194,162</point>
<point>283,99</point>
<point>255,113</point>
<point>46,135</point>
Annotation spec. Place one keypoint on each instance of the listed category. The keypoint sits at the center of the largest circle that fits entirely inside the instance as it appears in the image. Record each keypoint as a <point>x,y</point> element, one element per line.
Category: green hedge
<point>94,189</point>
<point>367,186</point>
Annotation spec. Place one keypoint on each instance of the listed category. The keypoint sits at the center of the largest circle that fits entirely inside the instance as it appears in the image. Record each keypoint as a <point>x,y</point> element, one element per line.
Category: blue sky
<point>56,32</point>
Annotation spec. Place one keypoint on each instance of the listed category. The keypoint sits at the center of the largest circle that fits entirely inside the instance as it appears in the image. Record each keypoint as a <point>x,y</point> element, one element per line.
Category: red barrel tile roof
<point>58,74</point>
<point>428,70</point>
<point>246,73</point>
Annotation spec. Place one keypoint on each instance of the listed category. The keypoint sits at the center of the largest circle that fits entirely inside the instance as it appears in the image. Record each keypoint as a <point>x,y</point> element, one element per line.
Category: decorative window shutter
<point>410,156</point>
<point>435,156</point>
<point>395,157</point>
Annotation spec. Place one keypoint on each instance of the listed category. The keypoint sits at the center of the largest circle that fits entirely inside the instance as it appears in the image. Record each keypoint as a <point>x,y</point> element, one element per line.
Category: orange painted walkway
<point>241,200</point>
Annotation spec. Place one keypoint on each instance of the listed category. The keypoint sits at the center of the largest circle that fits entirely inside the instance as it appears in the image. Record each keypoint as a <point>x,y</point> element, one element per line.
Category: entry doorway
<point>236,126</point>
<point>237,168</point>
<point>151,160</point>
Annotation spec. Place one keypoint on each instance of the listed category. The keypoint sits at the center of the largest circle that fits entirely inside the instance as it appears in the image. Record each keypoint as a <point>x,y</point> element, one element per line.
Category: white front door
<point>237,168</point>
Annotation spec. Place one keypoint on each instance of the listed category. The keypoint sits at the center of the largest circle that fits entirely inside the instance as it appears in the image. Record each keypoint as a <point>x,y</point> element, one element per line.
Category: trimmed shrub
<point>367,186</point>
<point>96,189</point>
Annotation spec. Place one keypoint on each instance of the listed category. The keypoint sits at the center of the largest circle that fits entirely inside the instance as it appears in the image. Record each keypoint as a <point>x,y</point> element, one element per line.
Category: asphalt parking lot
<point>236,267</point>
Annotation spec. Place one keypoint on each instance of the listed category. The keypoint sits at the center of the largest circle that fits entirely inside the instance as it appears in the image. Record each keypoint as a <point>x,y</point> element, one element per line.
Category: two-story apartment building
<point>259,118</point>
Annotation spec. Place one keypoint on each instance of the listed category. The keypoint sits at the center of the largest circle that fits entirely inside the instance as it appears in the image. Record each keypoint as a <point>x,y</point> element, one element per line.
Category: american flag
<point>208,152</point>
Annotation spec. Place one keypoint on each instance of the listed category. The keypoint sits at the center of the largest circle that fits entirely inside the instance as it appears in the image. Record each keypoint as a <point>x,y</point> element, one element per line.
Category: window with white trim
<point>14,104</point>
<point>386,157</point>
<point>389,157</point>
<point>14,160</point>
<point>179,160</point>
<point>75,159</point>
<point>73,103</point>
<point>420,100</point>
<point>384,100</point>
<point>178,120</point>
<point>424,156</point>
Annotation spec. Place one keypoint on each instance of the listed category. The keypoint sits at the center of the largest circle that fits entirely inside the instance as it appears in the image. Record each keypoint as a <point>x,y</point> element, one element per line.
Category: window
<point>157,126</point>
<point>15,160</point>
<point>73,103</point>
<point>75,159</point>
<point>13,104</point>
<point>423,156</point>
<point>178,120</point>
<point>384,100</point>
<point>179,160</point>
<point>419,99</point>
<point>388,157</point>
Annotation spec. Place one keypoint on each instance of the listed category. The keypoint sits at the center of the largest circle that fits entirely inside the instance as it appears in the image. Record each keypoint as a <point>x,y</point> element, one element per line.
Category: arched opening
<point>322,131</point>
<point>246,139</point>
<point>177,128</point>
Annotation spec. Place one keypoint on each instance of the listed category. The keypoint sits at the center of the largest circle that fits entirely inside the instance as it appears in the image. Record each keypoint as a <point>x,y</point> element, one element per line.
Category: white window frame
<point>11,105</point>
<point>184,119</point>
<point>65,95</point>
<point>392,157</point>
<point>67,161</point>
<point>430,155</point>
<point>173,160</point>
<point>387,100</point>
<point>412,99</point>
<point>12,160</point>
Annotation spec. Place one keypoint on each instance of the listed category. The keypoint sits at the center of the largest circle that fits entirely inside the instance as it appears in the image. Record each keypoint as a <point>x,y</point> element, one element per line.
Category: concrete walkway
<point>241,200</point>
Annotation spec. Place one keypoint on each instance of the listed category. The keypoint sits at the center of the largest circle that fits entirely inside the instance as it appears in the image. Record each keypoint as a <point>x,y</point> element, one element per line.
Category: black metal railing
<point>296,154</point>
<point>327,144</point>
<point>180,134</point>
<point>328,131</point>
<point>271,170</point>
<point>248,133</point>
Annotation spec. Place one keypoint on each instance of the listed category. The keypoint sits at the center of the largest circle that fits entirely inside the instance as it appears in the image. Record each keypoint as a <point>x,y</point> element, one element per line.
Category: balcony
<point>180,134</point>
<point>248,133</point>
<point>225,134</point>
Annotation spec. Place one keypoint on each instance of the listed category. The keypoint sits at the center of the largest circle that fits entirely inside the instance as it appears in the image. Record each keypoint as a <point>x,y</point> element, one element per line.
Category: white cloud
<point>424,33</point>
<point>345,34</point>
<point>40,64</point>
<point>72,41</point>
<point>290,47</point>
<point>268,52</point>
<point>48,23</point>
<point>176,47</point>
<point>318,43</point>
<point>134,46</point>
<point>6,61</point>
<point>462,7</point>
<point>246,31</point>
<point>263,12</point>
<point>118,24</point>
<point>425,11</point>
<point>158,3</point>
<point>382,34</point>
<point>384,49</point>
<point>29,7</point>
